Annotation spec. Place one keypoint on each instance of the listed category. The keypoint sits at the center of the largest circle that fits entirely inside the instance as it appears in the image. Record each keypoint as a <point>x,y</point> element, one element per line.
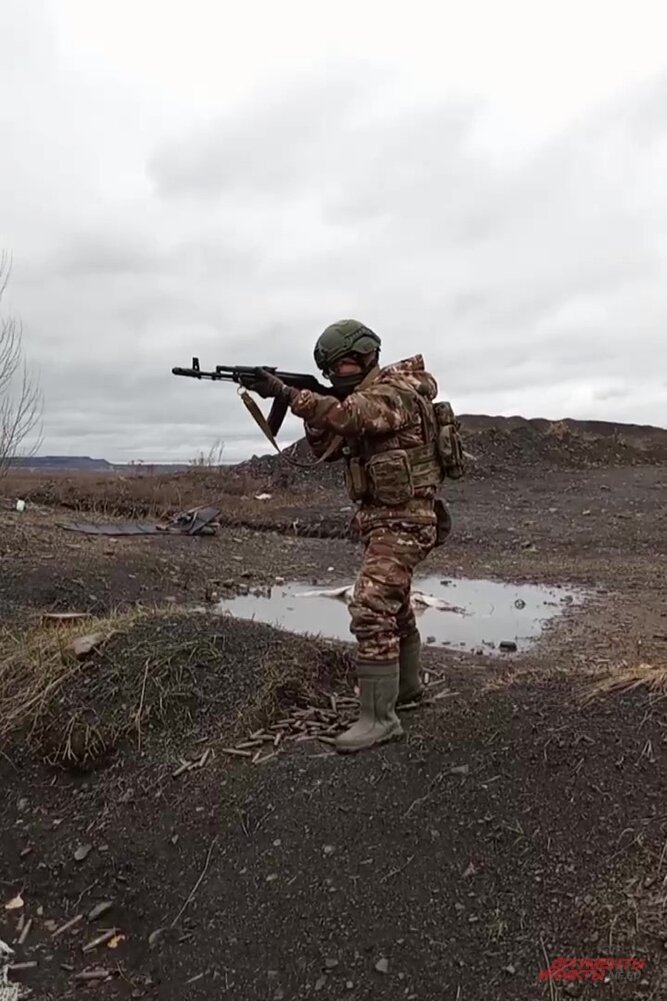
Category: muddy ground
<point>513,825</point>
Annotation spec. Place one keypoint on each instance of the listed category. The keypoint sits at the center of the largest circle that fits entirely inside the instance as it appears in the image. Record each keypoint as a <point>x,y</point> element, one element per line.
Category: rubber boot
<point>410,685</point>
<point>378,722</point>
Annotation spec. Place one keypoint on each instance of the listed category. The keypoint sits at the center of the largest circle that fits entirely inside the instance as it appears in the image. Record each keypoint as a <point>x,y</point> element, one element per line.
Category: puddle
<point>463,613</point>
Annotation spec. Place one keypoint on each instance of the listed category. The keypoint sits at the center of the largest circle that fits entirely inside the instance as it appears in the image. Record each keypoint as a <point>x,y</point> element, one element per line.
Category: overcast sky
<point>483,182</point>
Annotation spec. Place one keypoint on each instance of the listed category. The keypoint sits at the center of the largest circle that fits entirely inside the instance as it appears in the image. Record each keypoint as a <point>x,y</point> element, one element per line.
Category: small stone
<point>508,646</point>
<point>272,877</point>
<point>382,965</point>
<point>328,849</point>
<point>277,843</point>
<point>155,936</point>
<point>459,770</point>
<point>510,969</point>
<point>519,603</point>
<point>331,964</point>
<point>349,984</point>
<point>83,645</point>
<point>82,852</point>
<point>319,983</point>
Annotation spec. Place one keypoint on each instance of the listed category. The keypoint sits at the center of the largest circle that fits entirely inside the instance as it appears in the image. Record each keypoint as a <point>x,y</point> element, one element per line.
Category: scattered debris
<point>100,940</point>
<point>25,931</point>
<point>83,645</point>
<point>97,974</point>
<point>100,909</point>
<point>63,618</point>
<point>68,924</point>
<point>154,937</point>
<point>419,599</point>
<point>198,521</point>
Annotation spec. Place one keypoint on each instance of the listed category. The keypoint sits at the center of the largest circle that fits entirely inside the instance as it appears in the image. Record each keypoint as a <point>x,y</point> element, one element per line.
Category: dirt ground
<point>517,822</point>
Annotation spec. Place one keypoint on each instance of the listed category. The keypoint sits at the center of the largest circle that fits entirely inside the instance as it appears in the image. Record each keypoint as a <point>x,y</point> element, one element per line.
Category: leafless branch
<point>21,400</point>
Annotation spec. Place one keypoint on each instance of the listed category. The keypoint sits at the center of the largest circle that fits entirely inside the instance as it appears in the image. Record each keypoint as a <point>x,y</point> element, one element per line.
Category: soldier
<point>396,446</point>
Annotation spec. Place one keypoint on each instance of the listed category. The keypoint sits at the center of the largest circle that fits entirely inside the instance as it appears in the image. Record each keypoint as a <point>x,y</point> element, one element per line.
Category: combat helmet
<point>345,337</point>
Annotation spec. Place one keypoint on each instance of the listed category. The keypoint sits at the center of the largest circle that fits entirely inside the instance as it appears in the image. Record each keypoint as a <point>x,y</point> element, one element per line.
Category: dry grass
<point>163,677</point>
<point>653,677</point>
<point>141,495</point>
<point>35,665</point>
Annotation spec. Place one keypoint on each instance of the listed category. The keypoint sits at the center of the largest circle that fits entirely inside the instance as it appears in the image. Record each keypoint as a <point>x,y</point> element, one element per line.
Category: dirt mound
<point>160,680</point>
<point>499,445</point>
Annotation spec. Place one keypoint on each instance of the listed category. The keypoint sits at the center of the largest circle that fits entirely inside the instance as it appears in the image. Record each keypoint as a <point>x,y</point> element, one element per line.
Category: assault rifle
<point>237,374</point>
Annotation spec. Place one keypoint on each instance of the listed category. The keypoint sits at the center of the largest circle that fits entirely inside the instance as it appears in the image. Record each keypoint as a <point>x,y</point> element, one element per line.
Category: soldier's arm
<point>376,410</point>
<point>319,441</point>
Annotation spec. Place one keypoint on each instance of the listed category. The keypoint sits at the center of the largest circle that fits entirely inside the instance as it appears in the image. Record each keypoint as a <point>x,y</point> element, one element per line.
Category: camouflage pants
<point>380,608</point>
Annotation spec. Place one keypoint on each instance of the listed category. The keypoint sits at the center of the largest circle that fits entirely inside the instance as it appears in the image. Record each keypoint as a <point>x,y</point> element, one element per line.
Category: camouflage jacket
<point>382,415</point>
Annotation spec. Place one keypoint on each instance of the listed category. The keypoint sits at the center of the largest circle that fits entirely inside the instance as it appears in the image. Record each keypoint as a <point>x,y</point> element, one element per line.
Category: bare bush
<point>211,461</point>
<point>20,396</point>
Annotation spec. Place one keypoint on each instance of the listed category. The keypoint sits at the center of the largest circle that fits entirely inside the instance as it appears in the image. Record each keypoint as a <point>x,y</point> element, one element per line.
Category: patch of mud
<point>467,614</point>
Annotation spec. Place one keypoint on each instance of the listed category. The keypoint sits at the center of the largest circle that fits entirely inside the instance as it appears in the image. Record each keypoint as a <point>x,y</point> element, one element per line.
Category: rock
<point>519,603</point>
<point>459,770</point>
<point>382,965</point>
<point>507,646</point>
<point>83,645</point>
<point>331,964</point>
<point>82,852</point>
<point>319,983</point>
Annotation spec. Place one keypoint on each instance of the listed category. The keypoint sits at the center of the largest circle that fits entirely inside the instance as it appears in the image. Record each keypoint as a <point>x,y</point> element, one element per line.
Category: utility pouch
<point>356,481</point>
<point>448,441</point>
<point>390,478</point>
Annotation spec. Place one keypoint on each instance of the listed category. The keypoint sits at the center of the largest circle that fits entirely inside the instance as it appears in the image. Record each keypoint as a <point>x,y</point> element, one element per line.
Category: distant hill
<point>85,464</point>
<point>69,463</point>
<point>498,442</point>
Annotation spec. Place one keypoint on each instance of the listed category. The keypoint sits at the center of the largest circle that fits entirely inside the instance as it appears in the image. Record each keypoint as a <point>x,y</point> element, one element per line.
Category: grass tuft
<point>650,676</point>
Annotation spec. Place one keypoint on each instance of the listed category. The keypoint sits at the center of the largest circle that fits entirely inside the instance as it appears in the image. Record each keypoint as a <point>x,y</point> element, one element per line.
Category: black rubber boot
<point>378,722</point>
<point>410,685</point>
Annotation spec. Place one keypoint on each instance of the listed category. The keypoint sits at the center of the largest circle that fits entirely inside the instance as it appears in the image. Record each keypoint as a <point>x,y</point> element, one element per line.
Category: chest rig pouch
<point>448,441</point>
<point>384,478</point>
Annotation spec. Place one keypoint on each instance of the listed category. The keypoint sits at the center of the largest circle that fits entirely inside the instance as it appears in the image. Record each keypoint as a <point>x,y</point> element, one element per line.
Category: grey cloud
<point>275,144</point>
<point>534,285</point>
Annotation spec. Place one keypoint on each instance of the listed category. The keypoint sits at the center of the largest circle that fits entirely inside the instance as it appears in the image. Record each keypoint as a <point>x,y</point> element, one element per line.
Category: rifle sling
<point>262,423</point>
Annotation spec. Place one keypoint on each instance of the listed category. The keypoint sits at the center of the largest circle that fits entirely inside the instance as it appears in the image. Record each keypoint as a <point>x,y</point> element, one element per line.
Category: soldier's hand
<point>265,384</point>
